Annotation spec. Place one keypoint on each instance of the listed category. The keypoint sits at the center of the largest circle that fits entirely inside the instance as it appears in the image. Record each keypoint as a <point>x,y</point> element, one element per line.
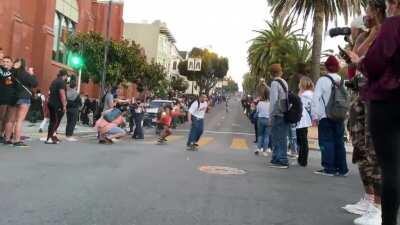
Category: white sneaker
<point>360,208</point>
<point>265,154</point>
<point>373,216</point>
<point>269,150</point>
<point>71,139</point>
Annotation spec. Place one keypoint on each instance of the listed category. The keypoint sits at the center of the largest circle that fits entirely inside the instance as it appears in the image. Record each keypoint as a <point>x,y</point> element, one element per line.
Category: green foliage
<point>125,63</point>
<point>213,69</point>
<point>231,87</point>
<point>153,78</point>
<point>323,11</point>
<point>278,43</point>
<point>249,84</point>
<point>179,84</point>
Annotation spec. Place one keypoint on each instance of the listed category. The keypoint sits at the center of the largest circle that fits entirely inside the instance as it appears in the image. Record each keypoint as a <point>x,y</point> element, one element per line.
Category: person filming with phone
<point>381,67</point>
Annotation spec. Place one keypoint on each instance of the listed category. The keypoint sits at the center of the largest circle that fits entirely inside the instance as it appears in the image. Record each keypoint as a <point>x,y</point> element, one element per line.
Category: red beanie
<point>332,64</point>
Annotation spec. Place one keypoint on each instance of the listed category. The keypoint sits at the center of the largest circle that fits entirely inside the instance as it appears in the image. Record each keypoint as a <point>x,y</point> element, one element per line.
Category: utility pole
<point>106,49</point>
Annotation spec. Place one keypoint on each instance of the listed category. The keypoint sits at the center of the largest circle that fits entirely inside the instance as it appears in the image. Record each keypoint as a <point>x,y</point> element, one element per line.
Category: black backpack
<point>294,105</point>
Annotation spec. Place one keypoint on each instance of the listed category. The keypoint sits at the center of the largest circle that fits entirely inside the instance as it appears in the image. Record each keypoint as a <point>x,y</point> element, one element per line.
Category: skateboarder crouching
<point>165,121</point>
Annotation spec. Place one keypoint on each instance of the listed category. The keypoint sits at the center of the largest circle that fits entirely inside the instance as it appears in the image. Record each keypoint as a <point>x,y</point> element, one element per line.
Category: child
<point>165,122</point>
<point>306,87</point>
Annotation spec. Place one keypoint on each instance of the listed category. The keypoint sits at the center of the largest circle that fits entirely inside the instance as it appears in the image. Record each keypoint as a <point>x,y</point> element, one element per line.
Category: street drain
<point>221,170</point>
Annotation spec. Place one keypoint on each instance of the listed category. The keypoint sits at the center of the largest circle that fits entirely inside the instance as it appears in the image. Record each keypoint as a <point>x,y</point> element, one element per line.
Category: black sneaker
<point>1,139</point>
<point>40,130</point>
<point>21,145</point>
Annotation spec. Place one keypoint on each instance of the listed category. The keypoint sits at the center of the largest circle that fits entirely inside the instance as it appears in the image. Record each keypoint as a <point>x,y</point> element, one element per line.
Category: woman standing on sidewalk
<point>74,102</point>
<point>306,93</point>
<point>263,129</point>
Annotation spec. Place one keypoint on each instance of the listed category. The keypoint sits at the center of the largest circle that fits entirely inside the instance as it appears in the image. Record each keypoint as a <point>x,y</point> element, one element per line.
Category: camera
<point>356,83</point>
<point>340,31</point>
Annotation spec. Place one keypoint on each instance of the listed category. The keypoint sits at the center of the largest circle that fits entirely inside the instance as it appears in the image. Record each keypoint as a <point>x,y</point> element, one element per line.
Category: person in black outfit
<point>8,99</point>
<point>74,102</point>
<point>25,82</point>
<point>85,111</point>
<point>57,105</point>
<point>138,116</point>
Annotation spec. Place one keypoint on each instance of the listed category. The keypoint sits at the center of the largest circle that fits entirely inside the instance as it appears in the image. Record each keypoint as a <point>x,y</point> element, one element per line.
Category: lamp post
<point>107,41</point>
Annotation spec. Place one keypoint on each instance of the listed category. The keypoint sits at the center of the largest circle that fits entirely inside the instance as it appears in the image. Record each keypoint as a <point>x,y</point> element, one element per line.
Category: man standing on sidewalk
<point>280,128</point>
<point>330,132</point>
<point>196,114</point>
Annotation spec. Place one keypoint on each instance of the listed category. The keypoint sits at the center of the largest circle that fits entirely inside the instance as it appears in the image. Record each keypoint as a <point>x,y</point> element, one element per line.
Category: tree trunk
<point>318,29</point>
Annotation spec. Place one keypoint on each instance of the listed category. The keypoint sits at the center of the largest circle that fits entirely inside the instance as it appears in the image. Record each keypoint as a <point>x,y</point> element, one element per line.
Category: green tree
<point>323,11</point>
<point>231,87</point>
<point>213,69</point>
<point>153,79</point>
<point>278,43</point>
<point>249,84</point>
<point>125,61</point>
<point>179,84</point>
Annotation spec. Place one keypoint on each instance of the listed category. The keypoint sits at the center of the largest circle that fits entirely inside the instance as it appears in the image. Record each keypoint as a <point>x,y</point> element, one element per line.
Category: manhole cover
<point>221,170</point>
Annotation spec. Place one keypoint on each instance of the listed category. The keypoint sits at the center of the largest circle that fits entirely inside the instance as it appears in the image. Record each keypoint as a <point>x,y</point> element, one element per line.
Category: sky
<point>223,26</point>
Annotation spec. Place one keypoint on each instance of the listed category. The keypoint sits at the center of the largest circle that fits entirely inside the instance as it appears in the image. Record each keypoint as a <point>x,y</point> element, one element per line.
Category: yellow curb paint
<point>205,141</point>
<point>239,144</point>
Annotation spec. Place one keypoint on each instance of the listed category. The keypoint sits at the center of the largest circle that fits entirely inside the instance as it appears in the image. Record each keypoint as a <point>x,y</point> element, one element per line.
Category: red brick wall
<point>26,30</point>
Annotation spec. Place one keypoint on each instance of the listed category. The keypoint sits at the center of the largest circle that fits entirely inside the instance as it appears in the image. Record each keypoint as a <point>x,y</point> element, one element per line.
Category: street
<point>141,183</point>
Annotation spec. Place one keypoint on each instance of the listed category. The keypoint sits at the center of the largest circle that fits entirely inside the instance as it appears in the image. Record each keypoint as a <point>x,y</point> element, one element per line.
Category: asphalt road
<point>140,183</point>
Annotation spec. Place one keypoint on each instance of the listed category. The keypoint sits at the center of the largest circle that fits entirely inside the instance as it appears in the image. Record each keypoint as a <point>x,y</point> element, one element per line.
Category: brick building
<point>37,30</point>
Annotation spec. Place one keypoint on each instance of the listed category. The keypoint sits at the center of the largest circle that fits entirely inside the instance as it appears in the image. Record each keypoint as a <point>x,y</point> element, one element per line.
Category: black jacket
<point>25,79</point>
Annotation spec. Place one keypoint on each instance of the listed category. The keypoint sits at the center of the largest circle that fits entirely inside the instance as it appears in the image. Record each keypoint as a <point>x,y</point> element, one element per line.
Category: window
<point>65,20</point>
<point>174,65</point>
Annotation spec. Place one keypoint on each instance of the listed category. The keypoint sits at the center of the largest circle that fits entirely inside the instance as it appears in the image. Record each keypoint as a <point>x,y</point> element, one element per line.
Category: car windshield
<point>157,104</point>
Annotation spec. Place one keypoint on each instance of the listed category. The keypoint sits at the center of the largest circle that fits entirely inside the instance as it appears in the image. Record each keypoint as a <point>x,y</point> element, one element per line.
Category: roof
<point>165,30</point>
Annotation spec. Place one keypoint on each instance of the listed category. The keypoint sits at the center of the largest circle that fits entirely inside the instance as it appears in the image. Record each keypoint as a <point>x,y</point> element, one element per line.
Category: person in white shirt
<point>263,129</point>
<point>306,87</point>
<point>280,128</point>
<point>330,132</point>
<point>197,111</point>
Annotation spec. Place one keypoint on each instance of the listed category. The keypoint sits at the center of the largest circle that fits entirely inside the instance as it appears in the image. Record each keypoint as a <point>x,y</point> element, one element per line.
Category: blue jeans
<point>263,133</point>
<point>279,141</point>
<point>196,130</point>
<point>331,143</point>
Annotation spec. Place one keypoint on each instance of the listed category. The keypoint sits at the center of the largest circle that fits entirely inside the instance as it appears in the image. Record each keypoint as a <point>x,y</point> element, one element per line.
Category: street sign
<point>194,64</point>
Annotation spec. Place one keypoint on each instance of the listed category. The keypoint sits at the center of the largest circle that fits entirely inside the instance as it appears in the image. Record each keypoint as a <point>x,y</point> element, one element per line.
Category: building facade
<point>37,30</point>
<point>158,43</point>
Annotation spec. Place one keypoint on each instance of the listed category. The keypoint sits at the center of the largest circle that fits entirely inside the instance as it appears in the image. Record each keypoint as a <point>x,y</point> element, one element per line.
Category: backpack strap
<point>286,91</point>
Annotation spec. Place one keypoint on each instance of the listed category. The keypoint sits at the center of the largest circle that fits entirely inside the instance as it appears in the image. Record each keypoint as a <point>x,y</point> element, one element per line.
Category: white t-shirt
<point>198,111</point>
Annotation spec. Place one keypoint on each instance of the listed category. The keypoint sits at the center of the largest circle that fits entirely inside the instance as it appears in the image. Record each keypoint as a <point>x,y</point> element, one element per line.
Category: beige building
<point>158,43</point>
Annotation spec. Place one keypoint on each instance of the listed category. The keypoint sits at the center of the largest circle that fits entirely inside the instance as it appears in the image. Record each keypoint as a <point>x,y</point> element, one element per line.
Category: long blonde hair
<point>306,84</point>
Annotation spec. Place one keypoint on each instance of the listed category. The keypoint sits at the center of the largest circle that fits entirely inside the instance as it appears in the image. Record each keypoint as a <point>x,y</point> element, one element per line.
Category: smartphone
<point>344,55</point>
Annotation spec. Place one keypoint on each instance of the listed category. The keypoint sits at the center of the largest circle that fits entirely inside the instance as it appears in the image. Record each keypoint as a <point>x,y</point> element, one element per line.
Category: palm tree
<point>271,46</point>
<point>323,11</point>
<point>278,43</point>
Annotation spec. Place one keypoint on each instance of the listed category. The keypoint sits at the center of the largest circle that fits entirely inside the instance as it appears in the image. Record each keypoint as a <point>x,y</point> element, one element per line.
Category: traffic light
<point>75,59</point>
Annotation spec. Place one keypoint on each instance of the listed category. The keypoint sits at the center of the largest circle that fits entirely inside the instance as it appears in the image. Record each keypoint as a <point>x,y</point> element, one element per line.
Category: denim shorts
<point>24,101</point>
<point>115,130</point>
